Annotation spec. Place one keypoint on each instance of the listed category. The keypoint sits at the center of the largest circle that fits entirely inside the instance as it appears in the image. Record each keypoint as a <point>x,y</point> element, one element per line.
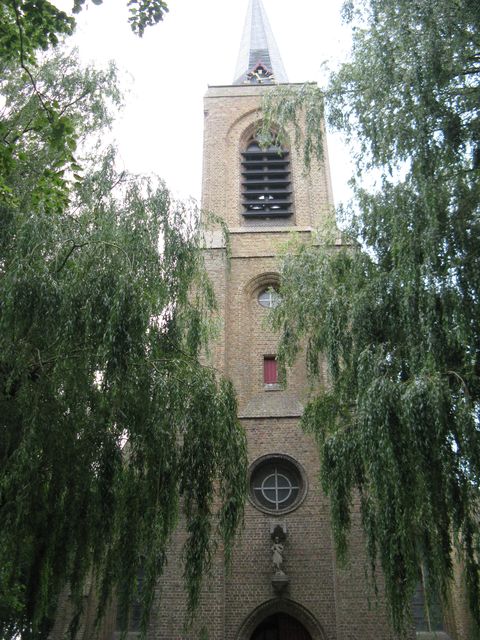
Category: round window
<point>277,484</point>
<point>269,298</point>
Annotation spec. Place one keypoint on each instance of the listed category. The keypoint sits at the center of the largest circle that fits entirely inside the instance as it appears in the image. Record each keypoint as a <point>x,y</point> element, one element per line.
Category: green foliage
<point>29,25</point>
<point>38,141</point>
<point>105,410</point>
<point>397,317</point>
<point>203,634</point>
<point>109,424</point>
<point>282,105</point>
<point>143,13</point>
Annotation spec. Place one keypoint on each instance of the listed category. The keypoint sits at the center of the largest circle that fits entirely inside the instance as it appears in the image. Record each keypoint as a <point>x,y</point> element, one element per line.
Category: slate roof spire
<point>259,60</point>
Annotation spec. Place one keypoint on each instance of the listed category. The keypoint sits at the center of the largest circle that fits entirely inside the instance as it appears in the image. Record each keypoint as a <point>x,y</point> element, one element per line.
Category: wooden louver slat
<point>266,183</point>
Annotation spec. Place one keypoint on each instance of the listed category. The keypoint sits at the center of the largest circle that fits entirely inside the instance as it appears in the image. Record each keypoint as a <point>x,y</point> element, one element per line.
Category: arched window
<point>266,182</point>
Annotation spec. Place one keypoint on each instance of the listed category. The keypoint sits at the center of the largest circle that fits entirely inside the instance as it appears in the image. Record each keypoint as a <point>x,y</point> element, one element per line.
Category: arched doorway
<point>280,626</point>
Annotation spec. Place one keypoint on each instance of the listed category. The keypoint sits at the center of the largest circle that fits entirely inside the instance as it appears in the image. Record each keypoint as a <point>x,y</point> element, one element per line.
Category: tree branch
<point>72,249</point>
<point>39,95</point>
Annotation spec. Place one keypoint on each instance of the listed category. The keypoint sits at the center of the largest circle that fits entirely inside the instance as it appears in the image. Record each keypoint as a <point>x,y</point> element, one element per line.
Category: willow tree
<point>396,315</point>
<point>108,419</point>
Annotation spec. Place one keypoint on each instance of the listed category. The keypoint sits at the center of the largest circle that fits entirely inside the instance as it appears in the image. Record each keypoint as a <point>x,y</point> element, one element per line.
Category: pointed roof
<point>259,60</point>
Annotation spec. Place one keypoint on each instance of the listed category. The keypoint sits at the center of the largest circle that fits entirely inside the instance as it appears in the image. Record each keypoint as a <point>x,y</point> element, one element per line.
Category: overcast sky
<point>167,72</point>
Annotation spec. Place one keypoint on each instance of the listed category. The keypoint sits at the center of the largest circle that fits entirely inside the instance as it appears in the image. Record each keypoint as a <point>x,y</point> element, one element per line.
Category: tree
<point>30,26</point>
<point>396,317</point>
<point>108,420</point>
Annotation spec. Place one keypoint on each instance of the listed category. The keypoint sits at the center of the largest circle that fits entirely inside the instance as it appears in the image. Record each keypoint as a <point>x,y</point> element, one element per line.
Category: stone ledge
<point>281,404</point>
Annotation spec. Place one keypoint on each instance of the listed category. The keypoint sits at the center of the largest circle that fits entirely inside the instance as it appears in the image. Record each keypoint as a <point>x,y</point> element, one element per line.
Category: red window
<point>270,370</point>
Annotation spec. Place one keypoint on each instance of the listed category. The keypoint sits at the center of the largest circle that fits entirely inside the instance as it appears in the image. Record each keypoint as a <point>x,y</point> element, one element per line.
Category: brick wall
<point>336,600</point>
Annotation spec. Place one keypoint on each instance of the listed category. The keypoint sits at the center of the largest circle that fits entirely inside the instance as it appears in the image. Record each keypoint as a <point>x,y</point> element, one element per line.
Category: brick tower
<point>284,583</point>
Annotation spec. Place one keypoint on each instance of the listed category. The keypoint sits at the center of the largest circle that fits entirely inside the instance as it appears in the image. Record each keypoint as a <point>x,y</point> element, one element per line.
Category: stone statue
<point>277,555</point>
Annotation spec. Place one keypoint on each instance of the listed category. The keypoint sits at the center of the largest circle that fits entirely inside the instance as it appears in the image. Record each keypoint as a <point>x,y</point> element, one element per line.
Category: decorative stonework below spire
<point>259,75</point>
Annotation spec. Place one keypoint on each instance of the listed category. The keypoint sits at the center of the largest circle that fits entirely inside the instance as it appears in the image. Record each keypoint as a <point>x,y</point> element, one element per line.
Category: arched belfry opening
<point>266,181</point>
<point>280,626</point>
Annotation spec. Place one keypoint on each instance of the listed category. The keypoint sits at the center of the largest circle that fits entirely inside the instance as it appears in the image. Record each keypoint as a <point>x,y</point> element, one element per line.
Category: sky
<point>166,73</point>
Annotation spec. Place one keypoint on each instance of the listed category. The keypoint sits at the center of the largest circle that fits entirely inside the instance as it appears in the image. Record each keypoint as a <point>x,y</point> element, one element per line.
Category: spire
<point>259,60</point>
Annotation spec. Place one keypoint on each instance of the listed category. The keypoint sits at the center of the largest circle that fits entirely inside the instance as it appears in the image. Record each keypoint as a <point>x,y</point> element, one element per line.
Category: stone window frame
<point>257,285</point>
<point>286,460</point>
<point>262,282</point>
<point>437,626</point>
<point>133,629</point>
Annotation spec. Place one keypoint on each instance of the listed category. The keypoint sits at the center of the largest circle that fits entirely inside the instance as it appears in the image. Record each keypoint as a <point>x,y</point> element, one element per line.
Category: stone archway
<point>271,612</point>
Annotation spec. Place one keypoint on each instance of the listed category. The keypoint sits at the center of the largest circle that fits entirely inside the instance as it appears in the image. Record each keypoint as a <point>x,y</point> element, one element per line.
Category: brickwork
<point>231,117</point>
<point>308,555</point>
<point>334,602</point>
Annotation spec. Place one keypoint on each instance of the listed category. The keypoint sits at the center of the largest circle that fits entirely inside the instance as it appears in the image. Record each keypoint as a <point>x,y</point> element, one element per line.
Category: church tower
<point>284,583</point>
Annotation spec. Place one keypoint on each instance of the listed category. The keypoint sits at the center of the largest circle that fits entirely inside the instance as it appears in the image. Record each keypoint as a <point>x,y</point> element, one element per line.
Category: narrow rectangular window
<point>270,370</point>
<point>426,618</point>
<point>134,621</point>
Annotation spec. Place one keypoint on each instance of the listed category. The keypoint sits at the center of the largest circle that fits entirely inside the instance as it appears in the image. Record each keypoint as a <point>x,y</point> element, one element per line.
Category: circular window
<point>269,298</point>
<point>277,484</point>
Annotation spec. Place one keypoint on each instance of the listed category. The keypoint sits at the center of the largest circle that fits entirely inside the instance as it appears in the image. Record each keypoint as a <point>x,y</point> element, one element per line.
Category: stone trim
<point>261,281</point>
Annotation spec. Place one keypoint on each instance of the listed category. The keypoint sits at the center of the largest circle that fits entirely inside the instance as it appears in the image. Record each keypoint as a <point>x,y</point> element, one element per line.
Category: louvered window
<point>266,182</point>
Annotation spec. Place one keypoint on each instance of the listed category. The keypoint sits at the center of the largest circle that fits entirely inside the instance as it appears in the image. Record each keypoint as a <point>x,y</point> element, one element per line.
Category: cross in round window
<point>276,484</point>
<point>269,298</point>
<point>277,488</point>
